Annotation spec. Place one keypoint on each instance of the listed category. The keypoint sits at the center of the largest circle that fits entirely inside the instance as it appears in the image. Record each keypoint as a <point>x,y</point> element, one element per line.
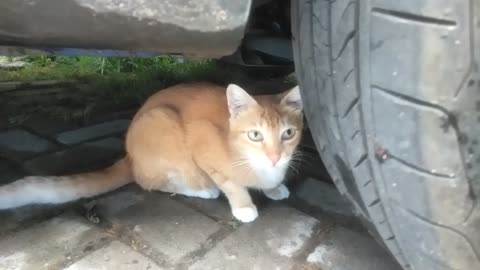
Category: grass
<point>88,67</point>
<point>110,84</point>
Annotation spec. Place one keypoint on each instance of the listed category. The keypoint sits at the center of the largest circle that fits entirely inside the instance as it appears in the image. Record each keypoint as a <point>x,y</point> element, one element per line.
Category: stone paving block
<point>49,245</point>
<point>115,256</point>
<point>324,196</point>
<point>4,164</point>
<point>112,143</point>
<point>92,155</point>
<point>14,218</point>
<point>92,132</point>
<point>48,125</point>
<point>10,219</point>
<point>104,117</point>
<point>20,144</point>
<point>218,209</point>
<point>166,225</point>
<point>270,242</point>
<point>344,249</point>
<point>9,173</point>
<point>113,204</point>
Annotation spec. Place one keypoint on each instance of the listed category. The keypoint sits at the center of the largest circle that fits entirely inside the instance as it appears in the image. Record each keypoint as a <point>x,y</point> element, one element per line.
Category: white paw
<point>279,193</point>
<point>245,214</point>
<point>210,193</point>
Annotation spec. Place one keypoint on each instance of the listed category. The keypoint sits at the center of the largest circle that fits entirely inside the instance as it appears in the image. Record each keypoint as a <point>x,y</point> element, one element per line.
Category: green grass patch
<point>106,83</point>
<point>163,68</point>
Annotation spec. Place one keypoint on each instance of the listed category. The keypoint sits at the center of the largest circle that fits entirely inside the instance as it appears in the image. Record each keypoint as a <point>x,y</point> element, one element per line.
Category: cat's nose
<point>274,157</point>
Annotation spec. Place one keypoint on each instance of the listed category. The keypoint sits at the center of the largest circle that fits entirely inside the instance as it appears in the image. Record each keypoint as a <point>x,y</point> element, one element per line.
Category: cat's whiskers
<point>292,166</point>
<point>295,161</point>
<point>302,153</point>
<point>242,164</point>
<point>239,162</point>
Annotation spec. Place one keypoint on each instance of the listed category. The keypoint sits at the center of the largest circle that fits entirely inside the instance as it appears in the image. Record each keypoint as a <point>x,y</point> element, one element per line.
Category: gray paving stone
<point>9,173</point>
<point>270,242</point>
<point>92,155</point>
<point>112,205</point>
<point>92,132</point>
<point>218,209</point>
<point>346,250</point>
<point>47,126</point>
<point>11,219</point>
<point>4,164</point>
<point>324,196</point>
<point>115,256</point>
<point>20,144</point>
<point>48,245</point>
<point>104,117</point>
<point>112,143</point>
<point>166,225</point>
<point>14,218</point>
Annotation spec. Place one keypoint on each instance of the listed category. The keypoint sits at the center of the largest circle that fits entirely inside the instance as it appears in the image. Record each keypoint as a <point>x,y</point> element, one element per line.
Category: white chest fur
<point>269,177</point>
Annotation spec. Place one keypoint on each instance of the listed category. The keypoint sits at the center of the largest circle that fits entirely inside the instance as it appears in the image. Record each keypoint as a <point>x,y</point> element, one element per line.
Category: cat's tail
<point>60,189</point>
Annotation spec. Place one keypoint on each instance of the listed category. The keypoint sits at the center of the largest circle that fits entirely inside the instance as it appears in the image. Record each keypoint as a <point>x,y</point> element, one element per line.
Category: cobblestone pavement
<point>134,229</point>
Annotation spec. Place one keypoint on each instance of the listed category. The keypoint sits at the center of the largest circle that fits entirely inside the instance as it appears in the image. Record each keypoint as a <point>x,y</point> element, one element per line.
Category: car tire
<point>392,97</point>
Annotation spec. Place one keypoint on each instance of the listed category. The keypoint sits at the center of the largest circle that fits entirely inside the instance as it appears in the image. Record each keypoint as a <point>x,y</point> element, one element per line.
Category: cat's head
<point>265,130</point>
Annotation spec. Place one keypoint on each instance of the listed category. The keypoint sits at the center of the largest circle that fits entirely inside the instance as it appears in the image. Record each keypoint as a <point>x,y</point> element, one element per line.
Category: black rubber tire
<point>392,96</point>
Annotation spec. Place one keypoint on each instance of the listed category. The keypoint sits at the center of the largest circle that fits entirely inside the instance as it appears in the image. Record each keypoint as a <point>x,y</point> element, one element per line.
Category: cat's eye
<point>255,135</point>
<point>288,134</point>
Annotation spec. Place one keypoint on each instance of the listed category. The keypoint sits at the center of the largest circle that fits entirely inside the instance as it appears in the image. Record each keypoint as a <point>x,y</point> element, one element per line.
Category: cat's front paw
<point>279,193</point>
<point>245,214</point>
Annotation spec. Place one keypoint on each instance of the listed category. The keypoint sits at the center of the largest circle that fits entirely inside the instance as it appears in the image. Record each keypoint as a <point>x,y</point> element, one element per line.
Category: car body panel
<point>206,28</point>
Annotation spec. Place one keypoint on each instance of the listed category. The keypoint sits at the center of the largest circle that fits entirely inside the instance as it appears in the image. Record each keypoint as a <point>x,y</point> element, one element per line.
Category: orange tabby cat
<point>195,140</point>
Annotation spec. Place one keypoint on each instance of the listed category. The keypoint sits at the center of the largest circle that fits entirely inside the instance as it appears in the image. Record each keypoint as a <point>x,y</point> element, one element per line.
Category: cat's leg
<point>240,201</point>
<point>279,193</point>
<point>211,154</point>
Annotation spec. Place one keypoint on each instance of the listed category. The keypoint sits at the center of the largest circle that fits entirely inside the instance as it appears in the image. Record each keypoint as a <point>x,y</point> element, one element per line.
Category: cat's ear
<point>293,99</point>
<point>238,100</point>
